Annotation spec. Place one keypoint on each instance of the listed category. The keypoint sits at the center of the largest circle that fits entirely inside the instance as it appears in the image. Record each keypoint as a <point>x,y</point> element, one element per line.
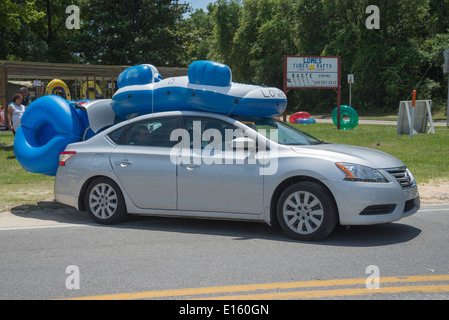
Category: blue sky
<point>198,4</point>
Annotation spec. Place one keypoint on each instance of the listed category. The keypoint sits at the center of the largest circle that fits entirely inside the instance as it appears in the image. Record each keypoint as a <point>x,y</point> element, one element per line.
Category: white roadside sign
<point>312,72</point>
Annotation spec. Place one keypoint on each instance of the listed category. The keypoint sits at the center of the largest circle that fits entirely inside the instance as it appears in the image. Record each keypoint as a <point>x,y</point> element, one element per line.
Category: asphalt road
<point>62,254</point>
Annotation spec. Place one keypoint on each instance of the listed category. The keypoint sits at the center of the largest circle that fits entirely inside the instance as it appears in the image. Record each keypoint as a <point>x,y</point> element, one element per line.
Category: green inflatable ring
<point>346,111</point>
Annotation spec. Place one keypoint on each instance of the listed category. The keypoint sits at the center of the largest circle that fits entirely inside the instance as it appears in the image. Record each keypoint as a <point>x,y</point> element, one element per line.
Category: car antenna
<point>235,103</point>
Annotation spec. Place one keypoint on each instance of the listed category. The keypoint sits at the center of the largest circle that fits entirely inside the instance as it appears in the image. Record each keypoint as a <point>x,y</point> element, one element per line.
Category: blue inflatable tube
<point>49,124</point>
<point>207,87</point>
<point>305,121</point>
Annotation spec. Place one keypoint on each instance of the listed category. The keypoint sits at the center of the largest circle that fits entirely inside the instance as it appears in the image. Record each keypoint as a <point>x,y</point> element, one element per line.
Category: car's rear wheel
<point>306,211</point>
<point>104,201</point>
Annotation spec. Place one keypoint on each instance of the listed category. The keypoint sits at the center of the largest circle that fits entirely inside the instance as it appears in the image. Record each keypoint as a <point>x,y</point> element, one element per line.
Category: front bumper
<point>362,203</point>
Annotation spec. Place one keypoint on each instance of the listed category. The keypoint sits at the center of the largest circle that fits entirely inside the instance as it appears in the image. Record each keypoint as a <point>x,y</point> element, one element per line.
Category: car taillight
<point>64,156</point>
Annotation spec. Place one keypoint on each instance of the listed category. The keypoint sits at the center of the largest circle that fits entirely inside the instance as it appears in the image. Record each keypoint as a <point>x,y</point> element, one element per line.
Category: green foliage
<point>13,13</point>
<point>388,63</point>
<point>140,31</point>
<point>264,34</point>
<point>225,18</point>
<point>36,32</point>
<point>111,32</point>
<point>198,35</point>
<point>252,37</point>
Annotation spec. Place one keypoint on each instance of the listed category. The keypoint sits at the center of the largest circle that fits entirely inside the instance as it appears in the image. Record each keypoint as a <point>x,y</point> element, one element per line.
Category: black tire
<point>306,211</point>
<point>104,201</point>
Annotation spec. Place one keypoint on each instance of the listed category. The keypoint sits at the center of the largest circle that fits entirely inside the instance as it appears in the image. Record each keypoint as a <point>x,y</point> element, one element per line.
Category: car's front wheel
<point>105,202</point>
<point>306,211</point>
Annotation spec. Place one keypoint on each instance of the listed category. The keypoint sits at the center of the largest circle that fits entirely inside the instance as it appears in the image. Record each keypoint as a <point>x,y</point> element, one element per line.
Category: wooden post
<point>76,90</point>
<point>95,86</point>
<point>285,111</point>
<point>4,92</point>
<point>338,106</point>
<point>412,117</point>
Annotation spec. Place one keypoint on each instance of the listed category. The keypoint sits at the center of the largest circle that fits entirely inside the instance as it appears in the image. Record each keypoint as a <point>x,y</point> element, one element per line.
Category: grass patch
<point>13,195</point>
<point>427,155</point>
<point>18,186</point>
<point>438,116</point>
<point>12,172</point>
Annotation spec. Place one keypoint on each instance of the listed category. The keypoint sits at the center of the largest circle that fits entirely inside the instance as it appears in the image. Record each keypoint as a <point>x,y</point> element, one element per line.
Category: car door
<point>143,165</point>
<point>212,176</point>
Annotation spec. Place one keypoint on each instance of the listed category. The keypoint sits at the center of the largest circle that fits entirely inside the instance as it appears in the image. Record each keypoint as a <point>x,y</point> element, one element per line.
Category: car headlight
<point>356,172</point>
<point>411,177</point>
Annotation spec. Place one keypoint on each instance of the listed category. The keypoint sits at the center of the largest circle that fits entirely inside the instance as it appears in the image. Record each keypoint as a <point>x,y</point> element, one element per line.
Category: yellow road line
<point>264,287</point>
<point>315,294</point>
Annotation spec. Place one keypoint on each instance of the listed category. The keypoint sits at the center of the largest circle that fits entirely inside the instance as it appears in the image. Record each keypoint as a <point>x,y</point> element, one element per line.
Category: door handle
<point>189,165</point>
<point>123,163</point>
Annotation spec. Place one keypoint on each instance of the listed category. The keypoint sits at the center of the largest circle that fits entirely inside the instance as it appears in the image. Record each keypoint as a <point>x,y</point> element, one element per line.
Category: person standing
<point>15,112</point>
<point>26,96</point>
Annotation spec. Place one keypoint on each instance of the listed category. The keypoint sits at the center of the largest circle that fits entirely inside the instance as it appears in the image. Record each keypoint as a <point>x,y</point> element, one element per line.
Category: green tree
<point>50,31</point>
<point>198,30</point>
<point>386,62</point>
<point>264,36</point>
<point>311,24</point>
<point>252,36</point>
<point>140,31</point>
<point>225,17</point>
<point>14,13</point>
<point>35,31</point>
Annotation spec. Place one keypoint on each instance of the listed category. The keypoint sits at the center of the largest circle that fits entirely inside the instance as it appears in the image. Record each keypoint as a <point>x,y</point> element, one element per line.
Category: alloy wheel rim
<point>303,212</point>
<point>103,201</point>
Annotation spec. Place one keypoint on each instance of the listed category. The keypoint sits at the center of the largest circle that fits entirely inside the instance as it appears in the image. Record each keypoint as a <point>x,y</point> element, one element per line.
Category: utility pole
<point>179,5</point>
<point>350,81</point>
<point>446,70</point>
<point>443,25</point>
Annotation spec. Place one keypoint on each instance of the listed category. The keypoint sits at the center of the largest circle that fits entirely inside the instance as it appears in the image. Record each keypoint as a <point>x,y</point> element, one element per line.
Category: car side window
<point>210,132</point>
<point>152,133</point>
<point>116,135</point>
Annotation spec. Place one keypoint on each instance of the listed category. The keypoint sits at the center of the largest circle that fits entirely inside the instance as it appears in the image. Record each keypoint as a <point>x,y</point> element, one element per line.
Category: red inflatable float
<point>299,115</point>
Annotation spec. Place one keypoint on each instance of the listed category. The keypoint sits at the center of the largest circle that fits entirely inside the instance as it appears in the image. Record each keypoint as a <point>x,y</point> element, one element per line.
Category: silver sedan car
<point>206,165</point>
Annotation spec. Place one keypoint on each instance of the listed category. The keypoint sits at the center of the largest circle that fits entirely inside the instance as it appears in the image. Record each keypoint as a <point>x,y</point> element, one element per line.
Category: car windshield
<point>286,133</point>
